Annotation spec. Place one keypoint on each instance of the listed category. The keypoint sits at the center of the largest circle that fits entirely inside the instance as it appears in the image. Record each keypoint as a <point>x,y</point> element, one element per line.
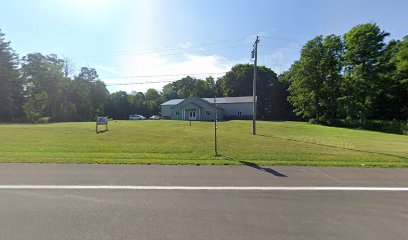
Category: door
<point>192,115</point>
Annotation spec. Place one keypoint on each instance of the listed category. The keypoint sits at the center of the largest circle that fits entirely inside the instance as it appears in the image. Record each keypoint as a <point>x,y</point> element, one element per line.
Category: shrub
<point>397,127</point>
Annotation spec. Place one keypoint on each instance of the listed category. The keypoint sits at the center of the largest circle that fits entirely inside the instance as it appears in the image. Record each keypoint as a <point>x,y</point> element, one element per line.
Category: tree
<point>11,90</point>
<point>68,67</point>
<point>306,77</point>
<point>152,94</point>
<point>332,67</point>
<point>45,74</point>
<point>99,98</point>
<point>88,74</point>
<point>393,100</point>
<point>36,106</point>
<point>364,45</point>
<point>202,89</point>
<point>401,77</point>
<point>189,87</point>
<point>118,105</point>
<point>90,94</point>
<point>271,93</point>
<point>79,99</point>
<point>153,101</point>
<point>316,78</point>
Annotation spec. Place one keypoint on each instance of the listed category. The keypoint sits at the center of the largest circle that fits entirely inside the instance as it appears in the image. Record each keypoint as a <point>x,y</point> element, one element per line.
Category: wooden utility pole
<point>254,55</point>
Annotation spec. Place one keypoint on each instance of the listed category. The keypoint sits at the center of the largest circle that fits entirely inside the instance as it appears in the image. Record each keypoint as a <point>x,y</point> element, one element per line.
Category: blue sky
<point>152,41</point>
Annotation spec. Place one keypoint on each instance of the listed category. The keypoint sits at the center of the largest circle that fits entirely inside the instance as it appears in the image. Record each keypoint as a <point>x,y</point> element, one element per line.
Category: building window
<point>208,113</point>
<point>177,113</point>
<point>239,114</point>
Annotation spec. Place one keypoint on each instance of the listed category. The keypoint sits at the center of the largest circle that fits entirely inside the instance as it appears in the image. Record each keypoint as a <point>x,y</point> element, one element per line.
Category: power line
<point>288,39</point>
<point>169,48</point>
<point>175,50</point>
<point>161,81</point>
<point>139,83</point>
<point>169,75</point>
<point>166,53</point>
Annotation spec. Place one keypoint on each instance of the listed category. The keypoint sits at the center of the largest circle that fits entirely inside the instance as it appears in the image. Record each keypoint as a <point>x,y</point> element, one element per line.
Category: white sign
<point>102,120</point>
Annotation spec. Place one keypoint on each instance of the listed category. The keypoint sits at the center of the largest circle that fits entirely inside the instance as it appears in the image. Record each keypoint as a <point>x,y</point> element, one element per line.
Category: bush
<point>314,121</point>
<point>43,120</point>
<point>397,127</point>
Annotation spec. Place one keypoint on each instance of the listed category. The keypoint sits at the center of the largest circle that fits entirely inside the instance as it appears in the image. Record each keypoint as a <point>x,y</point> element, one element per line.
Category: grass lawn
<point>175,142</point>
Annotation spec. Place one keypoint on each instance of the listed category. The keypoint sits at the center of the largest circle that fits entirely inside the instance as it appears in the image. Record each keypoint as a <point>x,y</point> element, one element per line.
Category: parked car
<point>155,117</point>
<point>136,117</point>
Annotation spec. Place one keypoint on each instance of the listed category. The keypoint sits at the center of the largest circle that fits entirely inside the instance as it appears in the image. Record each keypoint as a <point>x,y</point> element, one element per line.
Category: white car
<point>155,117</point>
<point>136,117</point>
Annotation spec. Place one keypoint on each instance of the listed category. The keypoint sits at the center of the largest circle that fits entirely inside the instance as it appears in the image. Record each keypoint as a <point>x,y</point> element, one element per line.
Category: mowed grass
<point>175,142</point>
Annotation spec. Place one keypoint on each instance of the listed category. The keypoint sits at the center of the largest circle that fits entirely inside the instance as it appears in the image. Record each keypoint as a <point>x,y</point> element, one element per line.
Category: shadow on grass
<point>103,131</point>
<point>331,146</point>
<point>268,170</point>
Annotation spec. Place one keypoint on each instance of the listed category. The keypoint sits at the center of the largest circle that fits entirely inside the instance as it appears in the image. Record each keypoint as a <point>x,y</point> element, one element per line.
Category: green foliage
<point>316,77</point>
<point>44,75</point>
<point>272,95</point>
<point>88,94</point>
<point>398,80</point>
<point>78,99</point>
<point>122,104</point>
<point>38,87</point>
<point>396,127</point>
<point>11,90</point>
<point>36,106</point>
<point>188,87</point>
<point>359,78</point>
<point>118,105</point>
<point>364,46</point>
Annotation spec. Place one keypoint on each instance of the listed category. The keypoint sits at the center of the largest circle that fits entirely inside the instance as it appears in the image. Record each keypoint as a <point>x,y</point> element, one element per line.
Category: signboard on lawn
<point>102,121</point>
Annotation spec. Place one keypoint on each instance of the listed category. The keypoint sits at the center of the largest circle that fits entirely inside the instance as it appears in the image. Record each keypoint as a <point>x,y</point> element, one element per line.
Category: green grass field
<point>175,142</point>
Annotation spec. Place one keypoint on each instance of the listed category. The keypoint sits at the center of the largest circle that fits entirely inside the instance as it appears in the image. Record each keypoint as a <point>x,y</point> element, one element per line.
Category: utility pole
<point>254,55</point>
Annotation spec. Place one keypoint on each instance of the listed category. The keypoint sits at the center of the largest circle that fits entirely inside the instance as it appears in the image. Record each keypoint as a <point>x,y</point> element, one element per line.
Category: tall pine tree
<point>10,84</point>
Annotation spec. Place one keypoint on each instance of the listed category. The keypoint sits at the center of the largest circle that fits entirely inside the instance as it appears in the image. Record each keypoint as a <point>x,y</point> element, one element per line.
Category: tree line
<point>355,76</point>
<point>38,86</point>
<point>272,94</point>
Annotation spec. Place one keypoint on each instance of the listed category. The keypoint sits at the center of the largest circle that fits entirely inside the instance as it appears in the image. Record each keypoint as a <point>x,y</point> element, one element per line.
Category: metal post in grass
<point>215,127</point>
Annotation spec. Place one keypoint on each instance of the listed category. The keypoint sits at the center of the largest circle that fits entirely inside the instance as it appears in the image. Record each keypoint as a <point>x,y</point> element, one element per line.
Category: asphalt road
<point>200,214</point>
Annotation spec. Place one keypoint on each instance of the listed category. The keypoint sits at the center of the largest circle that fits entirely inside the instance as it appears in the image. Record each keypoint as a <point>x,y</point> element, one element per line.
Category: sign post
<point>102,121</point>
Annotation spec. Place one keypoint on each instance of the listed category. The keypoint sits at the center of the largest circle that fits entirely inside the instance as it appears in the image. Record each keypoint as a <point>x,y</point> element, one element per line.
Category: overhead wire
<point>161,81</point>
<point>182,49</point>
<point>165,50</point>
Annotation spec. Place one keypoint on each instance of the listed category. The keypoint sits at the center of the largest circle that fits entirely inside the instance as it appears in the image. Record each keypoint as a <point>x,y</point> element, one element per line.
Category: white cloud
<point>144,67</point>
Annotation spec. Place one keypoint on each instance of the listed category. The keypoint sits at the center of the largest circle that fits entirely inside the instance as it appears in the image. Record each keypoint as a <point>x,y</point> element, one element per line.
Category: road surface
<point>58,201</point>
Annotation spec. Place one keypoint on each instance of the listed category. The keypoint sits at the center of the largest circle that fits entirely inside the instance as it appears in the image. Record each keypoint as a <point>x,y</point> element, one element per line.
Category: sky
<point>139,44</point>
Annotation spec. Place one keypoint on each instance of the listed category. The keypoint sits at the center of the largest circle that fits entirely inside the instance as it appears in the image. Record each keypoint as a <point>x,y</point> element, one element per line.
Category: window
<point>239,114</point>
<point>177,113</point>
<point>208,113</point>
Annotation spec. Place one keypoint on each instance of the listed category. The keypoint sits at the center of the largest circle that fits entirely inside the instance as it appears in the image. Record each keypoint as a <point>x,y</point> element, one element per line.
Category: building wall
<point>174,115</point>
<point>226,111</point>
<point>211,117</point>
<point>166,111</point>
<point>200,114</point>
<point>231,110</point>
